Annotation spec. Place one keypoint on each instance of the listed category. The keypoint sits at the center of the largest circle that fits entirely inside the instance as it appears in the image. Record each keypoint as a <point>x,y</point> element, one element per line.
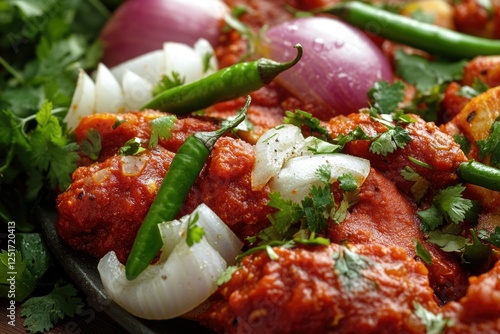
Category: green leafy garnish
<point>463,142</point>
<point>161,128</point>
<point>478,87</point>
<point>448,205</point>
<point>423,253</point>
<point>167,82</point>
<point>494,237</point>
<point>194,232</point>
<point>302,118</point>
<point>132,146</point>
<point>347,182</point>
<point>389,141</point>
<point>43,312</point>
<point>420,185</point>
<point>491,145</point>
<point>434,323</point>
<point>386,97</point>
<point>226,275</point>
<point>348,267</point>
<point>91,146</point>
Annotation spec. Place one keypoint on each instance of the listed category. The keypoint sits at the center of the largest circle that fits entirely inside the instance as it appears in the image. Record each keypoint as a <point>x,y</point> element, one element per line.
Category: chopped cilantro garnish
<point>491,145</point>
<point>132,146</point>
<point>389,141</point>
<point>194,232</point>
<point>434,323</point>
<point>226,275</point>
<point>167,82</point>
<point>161,128</point>
<point>347,182</point>
<point>349,266</point>
<point>91,146</point>
<point>423,253</point>
<point>494,237</point>
<point>478,87</point>
<point>43,312</point>
<point>447,205</point>
<point>288,212</point>
<point>302,118</point>
<point>463,142</point>
<point>420,186</point>
<point>386,97</point>
<point>314,208</point>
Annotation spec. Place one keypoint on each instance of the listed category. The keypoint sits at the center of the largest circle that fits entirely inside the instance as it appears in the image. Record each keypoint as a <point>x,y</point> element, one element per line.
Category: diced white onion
<point>137,91</point>
<point>83,102</point>
<point>133,165</point>
<point>183,60</point>
<point>183,278</point>
<point>295,179</point>
<point>272,150</point>
<point>108,93</point>
<point>204,49</point>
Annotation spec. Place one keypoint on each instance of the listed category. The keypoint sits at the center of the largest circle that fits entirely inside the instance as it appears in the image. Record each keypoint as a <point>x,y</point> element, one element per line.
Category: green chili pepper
<point>424,36</point>
<point>183,172</point>
<point>224,85</point>
<point>479,174</point>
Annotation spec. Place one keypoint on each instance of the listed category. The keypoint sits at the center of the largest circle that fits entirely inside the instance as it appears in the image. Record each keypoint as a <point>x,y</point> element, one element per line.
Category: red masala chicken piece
<point>224,185</point>
<point>305,290</point>
<point>479,310</point>
<point>104,207</point>
<point>116,129</point>
<point>428,145</point>
<point>384,216</point>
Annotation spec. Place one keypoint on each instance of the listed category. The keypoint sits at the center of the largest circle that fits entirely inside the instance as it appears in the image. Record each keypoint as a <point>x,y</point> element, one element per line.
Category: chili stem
<point>181,175</point>
<point>480,174</point>
<point>224,85</point>
<point>424,36</point>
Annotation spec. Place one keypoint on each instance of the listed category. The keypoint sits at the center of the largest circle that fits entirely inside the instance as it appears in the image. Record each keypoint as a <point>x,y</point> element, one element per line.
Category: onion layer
<point>183,278</point>
<point>339,66</point>
<point>141,26</point>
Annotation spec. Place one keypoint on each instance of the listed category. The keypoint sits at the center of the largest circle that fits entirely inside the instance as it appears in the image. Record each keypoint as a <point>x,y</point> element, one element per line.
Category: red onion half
<point>140,26</point>
<point>339,66</point>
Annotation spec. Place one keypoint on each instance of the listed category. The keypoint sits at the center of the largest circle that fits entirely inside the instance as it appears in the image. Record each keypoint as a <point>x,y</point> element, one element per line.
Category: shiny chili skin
<point>479,174</point>
<point>227,84</point>
<point>424,36</point>
<point>181,175</point>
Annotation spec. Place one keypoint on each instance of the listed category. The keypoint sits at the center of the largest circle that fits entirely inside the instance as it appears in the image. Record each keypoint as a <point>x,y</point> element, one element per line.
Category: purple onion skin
<point>140,26</point>
<point>339,66</point>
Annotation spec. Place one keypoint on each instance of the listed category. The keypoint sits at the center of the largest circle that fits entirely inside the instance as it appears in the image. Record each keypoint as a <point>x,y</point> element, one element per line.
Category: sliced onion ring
<point>183,278</point>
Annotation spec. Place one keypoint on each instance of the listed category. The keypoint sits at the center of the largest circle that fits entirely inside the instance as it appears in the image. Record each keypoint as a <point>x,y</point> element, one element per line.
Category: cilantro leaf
<point>434,323</point>
<point>301,118</point>
<point>423,253</point>
<point>463,142</point>
<point>386,97</point>
<point>52,151</point>
<point>314,208</point>
<point>491,145</point>
<point>347,182</point>
<point>43,312</point>
<point>194,232</point>
<point>349,266</point>
<point>356,134</point>
<point>419,188</point>
<point>91,146</point>
<point>167,82</point>
<point>451,203</point>
<point>226,275</point>
<point>430,219</point>
<point>494,237</point>
<point>132,146</point>
<point>478,87</point>
<point>425,74</point>
<point>288,212</point>
<point>390,140</point>
<point>161,128</point>
<point>448,242</point>
<point>476,252</point>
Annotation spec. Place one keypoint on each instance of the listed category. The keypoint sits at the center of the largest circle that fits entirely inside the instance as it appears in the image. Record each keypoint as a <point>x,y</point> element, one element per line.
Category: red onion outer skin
<point>140,26</point>
<point>339,66</point>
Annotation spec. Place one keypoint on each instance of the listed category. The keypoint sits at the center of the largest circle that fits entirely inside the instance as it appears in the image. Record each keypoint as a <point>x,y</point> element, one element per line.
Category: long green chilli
<point>182,174</point>
<point>479,174</point>
<point>227,84</point>
<point>424,36</point>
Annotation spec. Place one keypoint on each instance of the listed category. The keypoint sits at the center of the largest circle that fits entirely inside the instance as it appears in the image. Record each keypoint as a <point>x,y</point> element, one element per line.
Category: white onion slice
<point>136,90</point>
<point>108,93</point>
<point>148,66</point>
<point>183,278</point>
<point>204,49</point>
<point>183,60</point>
<point>83,101</point>
<point>272,150</point>
<point>295,179</point>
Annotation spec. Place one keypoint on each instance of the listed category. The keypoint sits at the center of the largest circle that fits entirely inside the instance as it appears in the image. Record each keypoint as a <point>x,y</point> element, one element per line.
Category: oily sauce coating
<point>104,207</point>
<point>302,291</point>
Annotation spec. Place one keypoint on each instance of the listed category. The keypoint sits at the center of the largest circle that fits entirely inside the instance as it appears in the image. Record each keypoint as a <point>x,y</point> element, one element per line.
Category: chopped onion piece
<point>183,278</point>
<point>272,150</point>
<point>207,54</point>
<point>298,174</point>
<point>148,66</point>
<point>83,102</point>
<point>108,93</point>
<point>183,61</point>
<point>136,90</point>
